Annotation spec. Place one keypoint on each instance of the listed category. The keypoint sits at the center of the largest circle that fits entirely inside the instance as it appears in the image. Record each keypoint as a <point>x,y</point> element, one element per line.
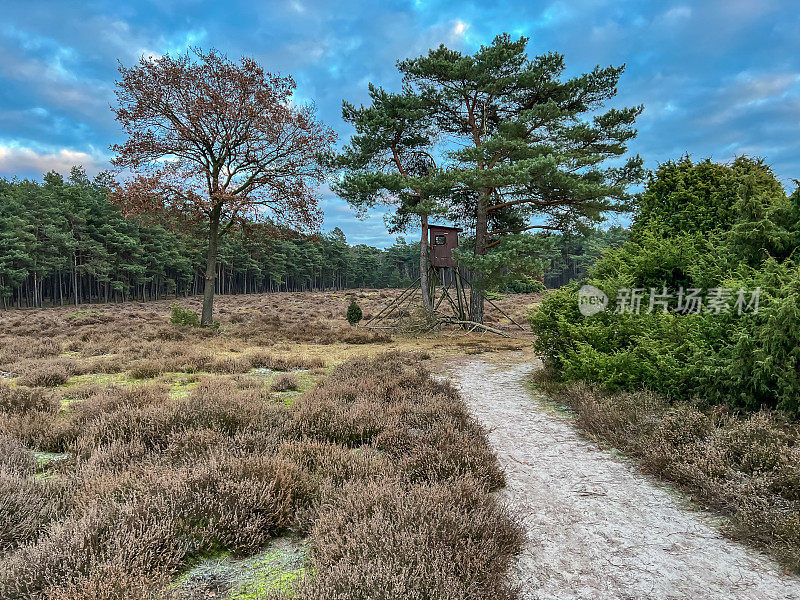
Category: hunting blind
<point>445,284</point>
<point>443,240</point>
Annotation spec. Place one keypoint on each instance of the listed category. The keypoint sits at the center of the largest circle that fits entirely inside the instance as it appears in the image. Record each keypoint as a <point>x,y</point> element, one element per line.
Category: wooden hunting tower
<point>443,240</point>
<point>451,294</point>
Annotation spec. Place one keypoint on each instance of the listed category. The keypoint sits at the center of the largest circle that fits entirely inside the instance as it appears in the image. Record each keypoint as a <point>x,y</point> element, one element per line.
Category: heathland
<point>136,452</point>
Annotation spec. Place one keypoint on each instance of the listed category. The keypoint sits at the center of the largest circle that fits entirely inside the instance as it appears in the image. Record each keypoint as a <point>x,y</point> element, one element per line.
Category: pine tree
<point>528,155</point>
<point>389,161</point>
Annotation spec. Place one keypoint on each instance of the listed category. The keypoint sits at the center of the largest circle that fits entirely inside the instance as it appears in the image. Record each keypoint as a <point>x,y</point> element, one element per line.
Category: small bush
<point>20,399</point>
<point>408,542</point>
<point>354,313</point>
<point>183,316</point>
<point>15,459</point>
<point>230,364</point>
<point>146,369</point>
<point>46,375</point>
<point>285,382</point>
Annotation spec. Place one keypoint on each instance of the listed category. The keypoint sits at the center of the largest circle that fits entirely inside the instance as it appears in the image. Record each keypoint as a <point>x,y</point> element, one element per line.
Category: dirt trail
<point>598,529</point>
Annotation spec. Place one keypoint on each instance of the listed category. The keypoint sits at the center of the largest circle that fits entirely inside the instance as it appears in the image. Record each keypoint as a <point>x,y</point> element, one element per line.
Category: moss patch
<point>277,569</point>
<point>180,384</point>
<point>100,379</point>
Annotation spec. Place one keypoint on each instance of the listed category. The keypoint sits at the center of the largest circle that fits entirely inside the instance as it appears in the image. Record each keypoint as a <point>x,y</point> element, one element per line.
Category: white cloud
<point>758,86</point>
<point>15,159</point>
<point>677,13</point>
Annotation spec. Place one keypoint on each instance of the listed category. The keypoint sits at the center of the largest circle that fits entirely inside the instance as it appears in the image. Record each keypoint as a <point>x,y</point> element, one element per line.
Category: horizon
<point>709,92</point>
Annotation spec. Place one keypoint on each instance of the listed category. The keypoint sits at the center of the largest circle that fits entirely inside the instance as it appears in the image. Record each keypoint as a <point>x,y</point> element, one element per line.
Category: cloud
<point>717,77</point>
<point>27,161</point>
<point>676,14</point>
<point>758,86</point>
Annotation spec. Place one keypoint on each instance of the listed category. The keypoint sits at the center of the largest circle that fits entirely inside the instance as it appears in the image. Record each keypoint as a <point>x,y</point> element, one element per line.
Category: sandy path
<point>598,529</point>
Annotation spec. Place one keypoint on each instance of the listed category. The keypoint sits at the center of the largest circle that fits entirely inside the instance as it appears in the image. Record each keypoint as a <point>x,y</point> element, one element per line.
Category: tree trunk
<point>211,269</point>
<point>424,266</point>
<point>481,235</point>
<point>75,277</point>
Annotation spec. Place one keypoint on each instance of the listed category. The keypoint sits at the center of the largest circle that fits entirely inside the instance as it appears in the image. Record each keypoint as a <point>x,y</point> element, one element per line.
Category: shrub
<point>409,542</point>
<point>15,459</point>
<point>285,382</point>
<point>744,239</point>
<point>47,374</point>
<point>264,360</point>
<point>354,313</point>
<point>183,316</point>
<point>20,399</point>
<point>156,482</point>
<point>230,364</point>
<point>146,369</point>
<point>27,508</point>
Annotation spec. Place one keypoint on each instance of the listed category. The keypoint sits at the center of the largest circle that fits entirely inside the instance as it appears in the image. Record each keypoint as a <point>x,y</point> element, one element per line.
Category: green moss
<point>276,569</point>
<point>46,459</point>
<point>44,463</point>
<point>305,378</point>
<point>180,384</point>
<point>271,578</point>
<point>101,379</point>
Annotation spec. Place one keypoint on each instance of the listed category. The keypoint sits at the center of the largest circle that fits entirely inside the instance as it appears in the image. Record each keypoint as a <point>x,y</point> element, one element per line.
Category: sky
<point>717,78</point>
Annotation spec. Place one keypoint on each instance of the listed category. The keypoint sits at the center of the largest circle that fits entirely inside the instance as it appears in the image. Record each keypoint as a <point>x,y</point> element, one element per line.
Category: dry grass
<point>170,449</point>
<point>171,444</point>
<point>282,331</point>
<point>745,466</point>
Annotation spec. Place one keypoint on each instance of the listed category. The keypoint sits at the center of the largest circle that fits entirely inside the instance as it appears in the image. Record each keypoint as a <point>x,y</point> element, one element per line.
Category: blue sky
<point>717,79</point>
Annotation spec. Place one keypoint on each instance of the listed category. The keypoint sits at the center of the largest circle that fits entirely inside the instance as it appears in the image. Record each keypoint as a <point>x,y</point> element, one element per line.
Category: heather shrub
<point>48,374</point>
<point>27,507</point>
<point>156,481</point>
<point>188,360</point>
<point>265,360</point>
<point>15,459</point>
<point>285,382</point>
<point>451,451</point>
<point>230,364</point>
<point>20,399</point>
<point>212,405</point>
<point>412,541</point>
<point>146,369</point>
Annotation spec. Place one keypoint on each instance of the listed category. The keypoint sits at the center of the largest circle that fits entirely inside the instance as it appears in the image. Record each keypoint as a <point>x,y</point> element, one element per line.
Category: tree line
<point>221,159</point>
<point>63,242</point>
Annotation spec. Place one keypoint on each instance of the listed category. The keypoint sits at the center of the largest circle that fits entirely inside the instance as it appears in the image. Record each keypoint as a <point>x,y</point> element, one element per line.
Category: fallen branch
<point>474,326</point>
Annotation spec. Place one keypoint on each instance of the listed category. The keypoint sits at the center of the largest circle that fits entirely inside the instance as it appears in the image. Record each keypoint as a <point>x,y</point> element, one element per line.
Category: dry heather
<point>380,465</point>
<point>745,466</point>
<point>281,331</point>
